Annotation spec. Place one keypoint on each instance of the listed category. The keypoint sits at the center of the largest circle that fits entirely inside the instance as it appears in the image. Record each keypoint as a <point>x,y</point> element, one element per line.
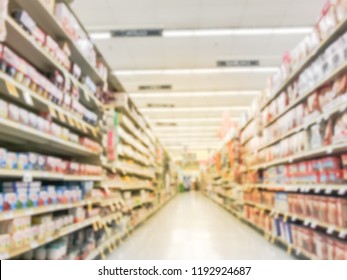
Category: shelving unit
<point>286,195</point>
<point>106,204</point>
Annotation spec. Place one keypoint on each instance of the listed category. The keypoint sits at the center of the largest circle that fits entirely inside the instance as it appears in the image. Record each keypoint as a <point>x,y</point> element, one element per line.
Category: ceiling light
<point>203,134</point>
<point>195,109</point>
<point>195,94</point>
<point>237,32</point>
<point>179,122</point>
<point>255,69</point>
<point>100,35</point>
<point>186,128</point>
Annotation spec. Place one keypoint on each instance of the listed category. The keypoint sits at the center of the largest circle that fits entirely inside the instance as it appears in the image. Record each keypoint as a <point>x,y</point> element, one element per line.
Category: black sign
<point>237,63</point>
<point>137,33</point>
<point>155,87</point>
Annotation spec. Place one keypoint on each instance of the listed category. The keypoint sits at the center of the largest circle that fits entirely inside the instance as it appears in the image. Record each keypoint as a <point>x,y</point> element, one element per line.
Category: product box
<point>33,199</point>
<point>22,199</point>
<point>3,109</point>
<point>23,18</point>
<point>1,203</point>
<point>3,158</point>
<point>12,160</point>
<point>43,198</point>
<point>23,161</point>
<point>10,200</point>
<point>33,161</point>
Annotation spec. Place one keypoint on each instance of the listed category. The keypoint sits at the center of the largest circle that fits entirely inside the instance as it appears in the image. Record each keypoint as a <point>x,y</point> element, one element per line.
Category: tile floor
<point>191,227</point>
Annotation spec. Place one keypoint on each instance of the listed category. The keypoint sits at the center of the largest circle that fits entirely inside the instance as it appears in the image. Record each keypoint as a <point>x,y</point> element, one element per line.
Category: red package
<point>340,250</point>
<point>323,209</point>
<point>320,245</point>
<point>341,205</point>
<point>332,211</point>
<point>330,249</point>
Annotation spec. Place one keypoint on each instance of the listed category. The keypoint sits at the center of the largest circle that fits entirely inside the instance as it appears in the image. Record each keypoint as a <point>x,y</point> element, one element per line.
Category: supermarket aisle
<point>193,227</point>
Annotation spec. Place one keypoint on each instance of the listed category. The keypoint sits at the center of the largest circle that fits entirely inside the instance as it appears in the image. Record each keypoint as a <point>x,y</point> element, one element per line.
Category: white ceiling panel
<point>195,53</point>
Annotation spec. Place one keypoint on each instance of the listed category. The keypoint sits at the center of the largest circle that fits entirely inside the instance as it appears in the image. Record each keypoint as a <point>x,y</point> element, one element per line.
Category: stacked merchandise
<point>54,200</point>
<point>294,146</point>
<point>224,175</point>
<point>294,175</point>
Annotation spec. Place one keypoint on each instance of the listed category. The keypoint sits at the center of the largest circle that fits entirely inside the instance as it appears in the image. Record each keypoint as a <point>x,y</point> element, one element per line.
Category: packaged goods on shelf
<point>3,14</point>
<point>22,116</point>
<point>72,27</point>
<point>54,90</point>
<point>321,246</point>
<point>332,15</point>
<point>327,170</point>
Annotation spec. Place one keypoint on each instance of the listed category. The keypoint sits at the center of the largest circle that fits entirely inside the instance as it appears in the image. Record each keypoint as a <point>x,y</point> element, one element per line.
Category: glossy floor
<point>191,227</point>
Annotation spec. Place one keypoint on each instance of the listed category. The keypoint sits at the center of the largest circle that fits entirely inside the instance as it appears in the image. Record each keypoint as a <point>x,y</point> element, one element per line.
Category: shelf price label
<point>343,234</point>
<point>71,121</point>
<point>330,230</point>
<point>52,112</point>
<point>62,116</point>
<point>27,98</point>
<point>328,191</point>
<point>289,250</point>
<point>314,224</point>
<point>12,90</point>
<point>342,191</point>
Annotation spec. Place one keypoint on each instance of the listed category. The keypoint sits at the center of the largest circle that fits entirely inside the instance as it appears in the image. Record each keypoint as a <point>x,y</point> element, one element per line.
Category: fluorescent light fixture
<point>100,35</point>
<point>195,109</point>
<point>195,94</point>
<point>186,120</point>
<point>201,134</point>
<point>192,147</point>
<point>255,69</point>
<point>186,128</point>
<point>237,32</point>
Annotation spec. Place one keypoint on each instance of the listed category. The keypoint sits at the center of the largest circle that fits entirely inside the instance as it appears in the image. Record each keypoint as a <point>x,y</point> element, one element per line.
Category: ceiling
<point>160,53</point>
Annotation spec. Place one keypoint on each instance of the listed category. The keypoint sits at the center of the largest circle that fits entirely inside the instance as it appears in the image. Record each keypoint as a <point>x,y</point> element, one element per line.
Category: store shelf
<point>26,46</point>
<point>68,119</point>
<point>114,239</point>
<point>308,222</point>
<point>339,30</point>
<point>129,169</point>
<point>25,134</point>
<point>301,98</point>
<point>268,235</point>
<point>62,232</point>
<point>44,18</point>
<point>11,173</point>
<point>8,215</point>
<point>246,124</point>
<point>104,245</point>
<point>327,150</point>
<point>303,188</point>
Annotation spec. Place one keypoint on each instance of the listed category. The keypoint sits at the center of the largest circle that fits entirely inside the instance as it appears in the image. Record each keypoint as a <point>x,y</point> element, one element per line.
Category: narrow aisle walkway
<point>191,227</point>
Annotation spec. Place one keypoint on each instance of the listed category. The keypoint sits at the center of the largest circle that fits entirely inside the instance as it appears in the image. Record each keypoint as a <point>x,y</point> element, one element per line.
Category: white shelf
<point>308,222</point>
<point>62,232</point>
<point>8,215</point>
<point>84,125</point>
<point>301,98</point>
<point>12,173</point>
<point>46,141</point>
<point>50,24</point>
<point>327,150</point>
<point>339,30</point>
